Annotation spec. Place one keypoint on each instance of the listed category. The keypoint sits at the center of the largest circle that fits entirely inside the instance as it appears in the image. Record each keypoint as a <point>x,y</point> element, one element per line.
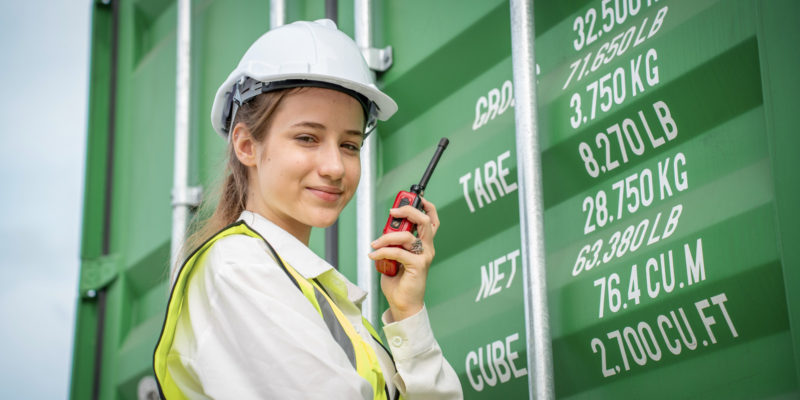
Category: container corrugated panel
<point>669,187</point>
<point>663,197</point>
<point>452,78</point>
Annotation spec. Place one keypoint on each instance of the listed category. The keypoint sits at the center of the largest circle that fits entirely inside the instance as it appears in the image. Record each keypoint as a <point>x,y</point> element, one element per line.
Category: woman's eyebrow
<point>309,124</point>
<point>317,125</point>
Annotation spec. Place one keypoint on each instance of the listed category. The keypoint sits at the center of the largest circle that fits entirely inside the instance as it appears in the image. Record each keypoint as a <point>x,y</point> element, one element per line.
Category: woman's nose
<point>330,162</point>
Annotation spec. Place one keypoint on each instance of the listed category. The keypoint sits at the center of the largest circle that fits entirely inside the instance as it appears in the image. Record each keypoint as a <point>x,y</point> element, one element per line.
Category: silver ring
<point>416,247</point>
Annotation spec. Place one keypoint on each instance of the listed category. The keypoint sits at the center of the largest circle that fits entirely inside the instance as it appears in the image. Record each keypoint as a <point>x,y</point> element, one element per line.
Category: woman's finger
<point>404,239</point>
<point>400,255</point>
<point>410,213</point>
<point>433,215</point>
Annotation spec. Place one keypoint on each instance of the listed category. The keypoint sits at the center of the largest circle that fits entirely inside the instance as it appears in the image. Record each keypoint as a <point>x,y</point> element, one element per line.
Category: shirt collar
<point>298,255</point>
<point>355,293</point>
<point>291,250</point>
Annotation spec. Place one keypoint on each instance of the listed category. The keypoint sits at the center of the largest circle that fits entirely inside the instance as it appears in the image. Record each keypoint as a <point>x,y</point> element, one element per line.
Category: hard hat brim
<point>386,105</point>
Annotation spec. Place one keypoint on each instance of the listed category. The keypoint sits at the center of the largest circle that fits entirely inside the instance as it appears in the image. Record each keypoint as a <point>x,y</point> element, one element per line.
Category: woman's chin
<point>323,225</point>
<point>325,220</point>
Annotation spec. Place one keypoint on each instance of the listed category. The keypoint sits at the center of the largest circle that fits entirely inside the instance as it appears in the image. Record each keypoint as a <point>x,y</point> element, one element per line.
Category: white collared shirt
<point>247,332</point>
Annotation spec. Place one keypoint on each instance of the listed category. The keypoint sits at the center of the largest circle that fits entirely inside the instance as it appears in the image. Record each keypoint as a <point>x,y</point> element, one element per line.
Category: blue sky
<point>44,68</point>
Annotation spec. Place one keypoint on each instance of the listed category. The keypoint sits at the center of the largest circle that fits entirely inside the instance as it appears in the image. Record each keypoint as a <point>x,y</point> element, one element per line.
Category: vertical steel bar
<point>112,121</point>
<point>108,200</point>
<point>332,232</point>
<point>540,359</point>
<point>277,13</point>
<point>332,10</point>
<point>180,207</point>
<point>365,196</point>
<point>98,350</point>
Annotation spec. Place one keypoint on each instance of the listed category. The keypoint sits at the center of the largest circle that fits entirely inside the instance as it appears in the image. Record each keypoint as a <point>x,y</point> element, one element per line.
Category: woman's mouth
<point>326,193</point>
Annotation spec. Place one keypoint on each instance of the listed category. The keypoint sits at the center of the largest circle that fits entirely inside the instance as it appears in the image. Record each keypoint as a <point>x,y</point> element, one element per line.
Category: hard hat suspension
<point>245,89</point>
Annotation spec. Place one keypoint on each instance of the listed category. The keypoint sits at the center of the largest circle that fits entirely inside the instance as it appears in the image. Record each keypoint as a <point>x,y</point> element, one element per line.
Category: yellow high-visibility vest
<point>361,355</point>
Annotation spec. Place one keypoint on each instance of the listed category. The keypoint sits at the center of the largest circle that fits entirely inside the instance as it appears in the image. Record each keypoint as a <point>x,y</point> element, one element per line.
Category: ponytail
<point>229,198</point>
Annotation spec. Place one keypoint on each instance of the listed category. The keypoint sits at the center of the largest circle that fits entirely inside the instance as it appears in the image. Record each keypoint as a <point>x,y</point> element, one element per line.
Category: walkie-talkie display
<point>411,197</point>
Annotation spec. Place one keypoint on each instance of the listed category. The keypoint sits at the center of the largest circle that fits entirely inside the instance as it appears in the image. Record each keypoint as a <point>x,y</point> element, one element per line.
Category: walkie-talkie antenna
<point>420,188</point>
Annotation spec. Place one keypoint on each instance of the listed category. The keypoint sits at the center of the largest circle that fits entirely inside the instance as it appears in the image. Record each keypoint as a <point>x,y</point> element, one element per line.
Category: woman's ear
<point>244,145</point>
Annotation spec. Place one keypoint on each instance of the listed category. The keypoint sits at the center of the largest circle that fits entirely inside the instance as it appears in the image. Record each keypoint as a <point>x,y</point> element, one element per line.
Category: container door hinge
<point>187,196</point>
<point>378,60</point>
<point>96,273</point>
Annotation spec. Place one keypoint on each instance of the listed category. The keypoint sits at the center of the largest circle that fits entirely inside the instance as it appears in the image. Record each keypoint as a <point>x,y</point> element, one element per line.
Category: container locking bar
<point>531,202</point>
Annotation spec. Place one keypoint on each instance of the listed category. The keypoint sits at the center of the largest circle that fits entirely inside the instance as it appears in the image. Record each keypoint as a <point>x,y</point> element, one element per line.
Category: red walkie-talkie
<point>412,197</point>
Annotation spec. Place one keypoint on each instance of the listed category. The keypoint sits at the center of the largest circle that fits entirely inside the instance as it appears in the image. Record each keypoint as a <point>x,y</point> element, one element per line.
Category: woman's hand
<point>406,290</point>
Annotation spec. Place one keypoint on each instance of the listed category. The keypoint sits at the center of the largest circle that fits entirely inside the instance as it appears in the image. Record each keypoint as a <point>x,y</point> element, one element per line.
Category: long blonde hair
<point>229,199</point>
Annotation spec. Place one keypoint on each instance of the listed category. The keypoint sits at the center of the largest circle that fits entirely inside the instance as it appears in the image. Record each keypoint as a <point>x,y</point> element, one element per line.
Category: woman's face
<point>308,164</point>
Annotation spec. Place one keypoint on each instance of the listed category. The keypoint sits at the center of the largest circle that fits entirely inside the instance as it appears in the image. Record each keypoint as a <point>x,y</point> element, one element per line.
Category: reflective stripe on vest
<point>361,355</point>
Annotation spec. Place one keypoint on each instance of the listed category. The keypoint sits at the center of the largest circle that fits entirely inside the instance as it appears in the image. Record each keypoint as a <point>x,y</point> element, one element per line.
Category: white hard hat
<point>302,53</point>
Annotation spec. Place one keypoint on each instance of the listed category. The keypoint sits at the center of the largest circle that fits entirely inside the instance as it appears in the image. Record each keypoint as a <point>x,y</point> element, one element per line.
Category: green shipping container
<point>668,165</point>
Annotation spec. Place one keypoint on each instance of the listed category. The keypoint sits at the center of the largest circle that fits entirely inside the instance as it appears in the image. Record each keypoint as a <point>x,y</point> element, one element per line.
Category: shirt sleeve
<point>257,336</point>
<point>422,370</point>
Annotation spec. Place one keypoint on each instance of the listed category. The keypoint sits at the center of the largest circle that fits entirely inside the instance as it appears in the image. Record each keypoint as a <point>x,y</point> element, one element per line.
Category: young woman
<point>254,313</point>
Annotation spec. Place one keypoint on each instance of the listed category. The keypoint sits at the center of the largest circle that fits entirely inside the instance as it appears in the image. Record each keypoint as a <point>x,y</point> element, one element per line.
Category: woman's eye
<point>305,138</point>
<point>352,147</point>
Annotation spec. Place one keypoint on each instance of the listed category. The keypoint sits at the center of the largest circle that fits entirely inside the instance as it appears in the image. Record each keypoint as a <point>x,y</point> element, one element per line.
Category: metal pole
<point>332,10</point>
<point>365,196</point>
<point>332,232</point>
<point>540,359</point>
<point>277,13</point>
<point>108,200</point>
<point>180,190</point>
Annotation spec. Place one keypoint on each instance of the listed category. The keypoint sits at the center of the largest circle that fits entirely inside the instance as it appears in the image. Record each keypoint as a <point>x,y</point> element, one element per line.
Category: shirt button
<point>397,341</point>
